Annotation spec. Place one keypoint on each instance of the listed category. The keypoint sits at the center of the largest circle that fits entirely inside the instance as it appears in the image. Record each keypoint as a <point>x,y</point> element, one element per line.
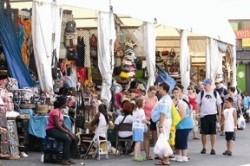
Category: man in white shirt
<point>209,106</point>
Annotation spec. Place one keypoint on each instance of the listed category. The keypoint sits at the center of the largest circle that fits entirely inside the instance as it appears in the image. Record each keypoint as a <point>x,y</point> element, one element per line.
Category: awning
<point>243,56</point>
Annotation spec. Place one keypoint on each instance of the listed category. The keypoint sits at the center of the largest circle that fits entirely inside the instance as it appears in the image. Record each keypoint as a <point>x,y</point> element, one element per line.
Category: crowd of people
<point>204,110</point>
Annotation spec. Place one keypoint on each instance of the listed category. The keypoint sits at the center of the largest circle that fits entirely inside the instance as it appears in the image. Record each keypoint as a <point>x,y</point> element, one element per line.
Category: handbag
<point>70,27</point>
<point>165,53</point>
<point>93,41</point>
<point>55,70</point>
<point>172,53</point>
<point>71,54</point>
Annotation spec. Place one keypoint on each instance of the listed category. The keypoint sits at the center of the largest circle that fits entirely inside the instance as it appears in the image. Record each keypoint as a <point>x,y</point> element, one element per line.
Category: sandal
<point>64,162</point>
<point>162,163</point>
<point>149,158</point>
<point>71,161</point>
<point>157,158</point>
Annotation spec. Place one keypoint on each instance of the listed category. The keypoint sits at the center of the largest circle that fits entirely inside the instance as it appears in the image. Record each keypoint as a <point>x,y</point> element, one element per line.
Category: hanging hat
<point>124,75</point>
<point>123,81</point>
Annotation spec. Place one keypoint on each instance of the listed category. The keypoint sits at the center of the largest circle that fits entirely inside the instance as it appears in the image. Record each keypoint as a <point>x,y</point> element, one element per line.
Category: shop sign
<point>246,42</point>
<point>243,33</point>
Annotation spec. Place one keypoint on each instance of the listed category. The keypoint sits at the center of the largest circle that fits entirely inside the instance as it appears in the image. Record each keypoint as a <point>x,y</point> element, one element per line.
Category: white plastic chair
<point>101,131</point>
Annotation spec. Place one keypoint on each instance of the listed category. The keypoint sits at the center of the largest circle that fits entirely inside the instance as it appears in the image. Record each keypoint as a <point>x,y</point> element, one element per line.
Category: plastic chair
<point>123,127</point>
<point>98,143</point>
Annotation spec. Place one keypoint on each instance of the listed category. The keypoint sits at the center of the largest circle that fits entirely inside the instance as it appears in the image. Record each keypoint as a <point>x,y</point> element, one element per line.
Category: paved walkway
<point>241,155</point>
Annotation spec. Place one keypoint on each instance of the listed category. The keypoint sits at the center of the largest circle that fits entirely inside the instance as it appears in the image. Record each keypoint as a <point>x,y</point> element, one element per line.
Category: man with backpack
<point>208,106</point>
<point>222,92</point>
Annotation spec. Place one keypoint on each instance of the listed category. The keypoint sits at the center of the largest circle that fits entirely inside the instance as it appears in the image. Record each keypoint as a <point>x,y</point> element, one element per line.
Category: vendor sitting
<point>100,119</point>
<point>57,129</point>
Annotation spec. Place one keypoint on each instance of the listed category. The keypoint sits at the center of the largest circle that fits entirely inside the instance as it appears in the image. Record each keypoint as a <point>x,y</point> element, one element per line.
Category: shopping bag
<point>162,148</point>
<point>241,122</point>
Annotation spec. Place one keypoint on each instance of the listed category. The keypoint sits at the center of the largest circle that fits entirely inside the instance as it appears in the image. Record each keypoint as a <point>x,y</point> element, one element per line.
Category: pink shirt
<point>149,105</point>
<point>51,122</point>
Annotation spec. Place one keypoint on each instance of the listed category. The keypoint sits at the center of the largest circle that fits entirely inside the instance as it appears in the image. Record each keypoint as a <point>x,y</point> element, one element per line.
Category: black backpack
<point>215,94</point>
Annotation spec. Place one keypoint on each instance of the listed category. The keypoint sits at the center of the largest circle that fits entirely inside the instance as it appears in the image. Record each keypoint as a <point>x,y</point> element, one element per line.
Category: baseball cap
<point>207,81</point>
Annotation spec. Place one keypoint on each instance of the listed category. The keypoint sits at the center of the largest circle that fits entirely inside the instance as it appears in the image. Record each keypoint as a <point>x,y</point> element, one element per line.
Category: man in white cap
<point>208,106</point>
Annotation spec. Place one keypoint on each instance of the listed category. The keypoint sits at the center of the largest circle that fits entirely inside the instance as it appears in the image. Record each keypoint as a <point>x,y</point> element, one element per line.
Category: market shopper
<point>58,130</point>
<point>229,119</point>
<point>208,106</point>
<point>161,114</point>
<point>150,100</point>
<point>183,128</point>
<point>222,92</point>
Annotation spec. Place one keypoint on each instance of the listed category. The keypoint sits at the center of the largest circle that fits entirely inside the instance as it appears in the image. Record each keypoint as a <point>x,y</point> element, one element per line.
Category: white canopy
<point>193,16</point>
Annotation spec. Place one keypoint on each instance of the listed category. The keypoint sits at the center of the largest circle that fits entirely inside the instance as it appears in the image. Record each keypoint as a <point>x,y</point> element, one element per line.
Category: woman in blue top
<point>183,128</point>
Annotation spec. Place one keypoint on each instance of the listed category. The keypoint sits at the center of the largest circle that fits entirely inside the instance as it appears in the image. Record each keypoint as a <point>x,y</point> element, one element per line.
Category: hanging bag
<point>70,27</point>
<point>55,70</point>
<point>172,53</point>
<point>72,54</point>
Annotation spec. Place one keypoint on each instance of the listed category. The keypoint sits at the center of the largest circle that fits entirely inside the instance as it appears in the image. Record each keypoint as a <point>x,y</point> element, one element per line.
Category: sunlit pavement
<point>240,157</point>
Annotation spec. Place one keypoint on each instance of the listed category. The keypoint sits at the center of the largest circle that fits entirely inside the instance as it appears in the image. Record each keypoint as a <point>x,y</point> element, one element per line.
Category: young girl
<point>229,119</point>
<point>139,120</point>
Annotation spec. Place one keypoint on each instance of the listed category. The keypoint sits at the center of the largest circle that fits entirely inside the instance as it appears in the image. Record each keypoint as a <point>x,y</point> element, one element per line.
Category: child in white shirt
<point>139,121</point>
<point>229,119</point>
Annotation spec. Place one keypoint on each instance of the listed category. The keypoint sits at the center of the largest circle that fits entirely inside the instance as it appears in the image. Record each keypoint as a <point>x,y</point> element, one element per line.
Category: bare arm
<point>235,120</point>
<point>161,121</point>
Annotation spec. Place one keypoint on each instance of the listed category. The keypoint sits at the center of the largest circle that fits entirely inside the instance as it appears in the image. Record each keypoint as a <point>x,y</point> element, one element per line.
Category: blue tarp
<point>12,51</point>
<point>163,76</point>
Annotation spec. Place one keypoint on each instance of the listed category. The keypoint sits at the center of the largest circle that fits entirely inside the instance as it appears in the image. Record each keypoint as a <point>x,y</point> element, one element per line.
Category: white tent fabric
<point>214,60</point>
<point>46,18</point>
<point>184,60</point>
<point>196,18</point>
<point>149,47</point>
<point>106,38</point>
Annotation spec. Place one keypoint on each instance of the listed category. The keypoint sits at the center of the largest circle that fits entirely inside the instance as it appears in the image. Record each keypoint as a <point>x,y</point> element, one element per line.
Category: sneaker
<point>23,154</point>
<point>227,153</point>
<point>138,158</point>
<point>179,159</point>
<point>185,158</point>
<point>212,152</point>
<point>174,158</point>
<point>203,151</point>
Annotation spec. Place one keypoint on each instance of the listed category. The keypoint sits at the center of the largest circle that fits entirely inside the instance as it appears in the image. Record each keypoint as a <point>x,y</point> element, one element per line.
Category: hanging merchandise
<point>81,74</point>
<point>72,54</point>
<point>165,53</point>
<point>93,52</point>
<point>158,57</point>
<point>70,27</point>
<point>93,41</point>
<point>9,41</point>
<point>172,53</point>
<point>70,39</point>
<point>80,51</point>
<point>55,70</point>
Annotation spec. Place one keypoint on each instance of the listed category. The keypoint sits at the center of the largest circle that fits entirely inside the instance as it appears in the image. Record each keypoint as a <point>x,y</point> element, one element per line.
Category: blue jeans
<point>68,143</point>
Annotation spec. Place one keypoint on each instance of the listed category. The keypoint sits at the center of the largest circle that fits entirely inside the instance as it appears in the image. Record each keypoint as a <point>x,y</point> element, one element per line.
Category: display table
<point>37,125</point>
